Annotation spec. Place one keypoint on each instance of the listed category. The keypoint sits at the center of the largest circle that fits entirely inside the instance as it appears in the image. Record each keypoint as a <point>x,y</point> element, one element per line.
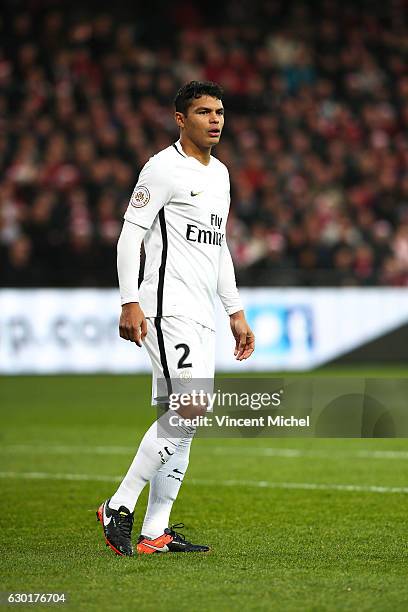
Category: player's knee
<point>193,409</point>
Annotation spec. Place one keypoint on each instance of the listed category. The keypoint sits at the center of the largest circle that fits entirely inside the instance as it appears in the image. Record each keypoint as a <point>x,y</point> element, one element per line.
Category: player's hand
<point>244,337</point>
<point>132,324</point>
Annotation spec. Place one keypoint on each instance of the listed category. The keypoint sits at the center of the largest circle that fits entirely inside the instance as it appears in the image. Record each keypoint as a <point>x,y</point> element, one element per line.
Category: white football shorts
<point>182,351</point>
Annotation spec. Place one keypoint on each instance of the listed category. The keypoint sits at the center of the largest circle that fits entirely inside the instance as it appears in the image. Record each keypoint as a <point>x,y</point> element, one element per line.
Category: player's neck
<point>192,150</point>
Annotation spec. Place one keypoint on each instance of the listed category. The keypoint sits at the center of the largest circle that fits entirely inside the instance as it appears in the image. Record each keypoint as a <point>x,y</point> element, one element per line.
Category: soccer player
<point>179,208</point>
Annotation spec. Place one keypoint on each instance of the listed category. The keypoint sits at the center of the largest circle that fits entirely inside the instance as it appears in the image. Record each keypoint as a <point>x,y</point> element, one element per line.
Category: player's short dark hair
<point>196,89</point>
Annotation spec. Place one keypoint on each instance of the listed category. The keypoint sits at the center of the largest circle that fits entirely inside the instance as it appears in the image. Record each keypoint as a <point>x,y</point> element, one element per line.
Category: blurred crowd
<point>316,136</point>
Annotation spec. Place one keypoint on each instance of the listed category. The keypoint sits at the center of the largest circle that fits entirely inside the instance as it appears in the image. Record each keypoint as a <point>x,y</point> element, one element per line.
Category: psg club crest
<point>140,196</point>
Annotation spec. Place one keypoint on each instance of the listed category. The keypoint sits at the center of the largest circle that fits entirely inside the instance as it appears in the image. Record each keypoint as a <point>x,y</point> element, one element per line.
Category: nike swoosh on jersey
<point>164,548</point>
<point>106,519</point>
<point>195,193</point>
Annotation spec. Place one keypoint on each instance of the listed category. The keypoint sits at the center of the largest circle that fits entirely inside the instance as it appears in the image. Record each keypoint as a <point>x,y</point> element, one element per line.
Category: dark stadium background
<point>316,97</point>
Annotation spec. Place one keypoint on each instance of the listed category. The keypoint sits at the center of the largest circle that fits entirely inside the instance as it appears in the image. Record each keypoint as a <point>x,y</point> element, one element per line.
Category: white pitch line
<point>259,484</point>
<point>290,453</point>
<point>59,476</point>
<point>68,450</point>
<point>307,486</point>
<point>383,454</point>
<point>295,453</point>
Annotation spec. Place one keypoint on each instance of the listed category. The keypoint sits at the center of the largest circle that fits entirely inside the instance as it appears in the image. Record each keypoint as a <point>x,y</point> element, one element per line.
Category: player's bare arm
<point>243,334</point>
<point>132,324</point>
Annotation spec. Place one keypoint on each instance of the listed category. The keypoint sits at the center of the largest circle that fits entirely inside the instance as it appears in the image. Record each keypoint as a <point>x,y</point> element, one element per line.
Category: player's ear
<point>179,118</point>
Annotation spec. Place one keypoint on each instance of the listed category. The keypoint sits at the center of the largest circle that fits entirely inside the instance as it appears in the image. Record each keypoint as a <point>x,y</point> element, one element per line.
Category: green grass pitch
<point>276,544</point>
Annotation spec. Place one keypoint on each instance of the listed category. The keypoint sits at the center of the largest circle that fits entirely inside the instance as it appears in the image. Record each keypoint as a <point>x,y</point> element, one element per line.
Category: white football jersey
<point>184,205</point>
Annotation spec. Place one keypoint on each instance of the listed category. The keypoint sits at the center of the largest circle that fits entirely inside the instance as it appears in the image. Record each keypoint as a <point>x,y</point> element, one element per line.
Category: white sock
<point>164,488</point>
<point>155,449</point>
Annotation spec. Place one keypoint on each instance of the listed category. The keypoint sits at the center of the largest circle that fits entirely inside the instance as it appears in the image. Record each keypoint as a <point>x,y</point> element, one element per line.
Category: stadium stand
<point>316,98</point>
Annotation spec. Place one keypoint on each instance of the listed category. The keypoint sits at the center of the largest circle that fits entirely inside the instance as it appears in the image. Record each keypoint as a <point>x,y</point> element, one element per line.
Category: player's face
<point>204,121</point>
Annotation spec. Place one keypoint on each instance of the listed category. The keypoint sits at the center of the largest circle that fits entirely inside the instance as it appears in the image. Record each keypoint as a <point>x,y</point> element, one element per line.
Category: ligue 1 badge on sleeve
<point>140,196</point>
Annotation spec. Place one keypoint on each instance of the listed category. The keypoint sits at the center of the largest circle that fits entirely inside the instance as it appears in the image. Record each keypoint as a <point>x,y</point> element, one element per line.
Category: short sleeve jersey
<point>184,206</point>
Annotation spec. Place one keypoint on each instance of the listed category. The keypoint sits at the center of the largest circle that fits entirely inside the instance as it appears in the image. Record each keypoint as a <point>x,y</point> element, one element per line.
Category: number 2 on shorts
<point>186,351</point>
